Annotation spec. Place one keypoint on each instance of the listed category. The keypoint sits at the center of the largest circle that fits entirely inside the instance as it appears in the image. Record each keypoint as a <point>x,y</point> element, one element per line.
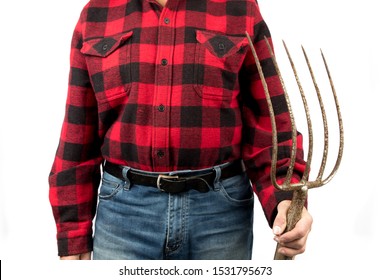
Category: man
<point>166,97</point>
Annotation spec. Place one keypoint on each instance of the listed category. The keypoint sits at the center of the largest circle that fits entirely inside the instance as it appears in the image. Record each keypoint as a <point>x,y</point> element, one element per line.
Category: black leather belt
<point>179,182</point>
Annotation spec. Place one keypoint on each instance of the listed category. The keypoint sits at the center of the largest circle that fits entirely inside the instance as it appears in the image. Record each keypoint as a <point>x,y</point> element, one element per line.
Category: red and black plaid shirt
<point>163,89</point>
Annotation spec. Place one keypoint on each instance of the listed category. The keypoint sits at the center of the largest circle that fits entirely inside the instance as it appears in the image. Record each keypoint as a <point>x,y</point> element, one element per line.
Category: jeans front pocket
<point>237,190</point>
<point>110,186</point>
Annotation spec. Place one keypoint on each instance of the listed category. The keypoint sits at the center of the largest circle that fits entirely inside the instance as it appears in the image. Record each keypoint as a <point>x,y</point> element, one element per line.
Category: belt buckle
<point>161,176</point>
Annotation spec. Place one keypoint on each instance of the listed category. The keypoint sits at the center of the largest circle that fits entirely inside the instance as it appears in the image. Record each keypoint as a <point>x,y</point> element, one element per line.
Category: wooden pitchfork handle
<point>294,214</point>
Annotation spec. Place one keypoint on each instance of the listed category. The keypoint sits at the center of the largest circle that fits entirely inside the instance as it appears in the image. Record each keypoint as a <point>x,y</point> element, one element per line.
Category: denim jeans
<point>140,222</point>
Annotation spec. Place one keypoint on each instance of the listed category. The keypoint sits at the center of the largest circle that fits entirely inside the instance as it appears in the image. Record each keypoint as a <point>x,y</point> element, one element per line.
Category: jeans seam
<point>176,241</point>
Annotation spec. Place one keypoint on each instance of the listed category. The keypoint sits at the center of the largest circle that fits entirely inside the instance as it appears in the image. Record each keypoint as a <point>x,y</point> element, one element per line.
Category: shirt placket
<point>163,89</point>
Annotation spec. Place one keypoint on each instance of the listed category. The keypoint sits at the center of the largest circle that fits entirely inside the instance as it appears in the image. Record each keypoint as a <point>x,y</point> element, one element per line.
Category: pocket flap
<point>219,44</point>
<point>104,46</point>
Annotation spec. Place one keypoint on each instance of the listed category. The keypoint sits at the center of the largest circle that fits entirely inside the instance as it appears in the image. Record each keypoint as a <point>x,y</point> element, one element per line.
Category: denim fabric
<point>141,222</point>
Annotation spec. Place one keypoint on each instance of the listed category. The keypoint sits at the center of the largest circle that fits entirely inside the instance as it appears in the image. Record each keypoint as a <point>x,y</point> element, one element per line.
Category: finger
<point>69,258</point>
<point>280,221</point>
<point>290,252</point>
<point>295,245</point>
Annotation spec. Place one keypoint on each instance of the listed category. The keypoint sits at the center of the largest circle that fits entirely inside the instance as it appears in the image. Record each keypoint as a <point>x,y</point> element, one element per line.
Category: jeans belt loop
<point>127,179</point>
<point>217,170</point>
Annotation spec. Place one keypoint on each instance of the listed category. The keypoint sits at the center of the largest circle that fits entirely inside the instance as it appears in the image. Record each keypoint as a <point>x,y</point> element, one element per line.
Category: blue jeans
<point>141,223</point>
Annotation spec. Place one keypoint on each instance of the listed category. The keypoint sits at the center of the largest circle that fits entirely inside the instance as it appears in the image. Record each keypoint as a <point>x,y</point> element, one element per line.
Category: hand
<point>84,256</point>
<point>293,242</point>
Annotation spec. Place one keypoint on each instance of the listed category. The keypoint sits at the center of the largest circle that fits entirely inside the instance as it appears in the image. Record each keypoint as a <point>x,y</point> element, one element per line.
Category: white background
<point>351,224</point>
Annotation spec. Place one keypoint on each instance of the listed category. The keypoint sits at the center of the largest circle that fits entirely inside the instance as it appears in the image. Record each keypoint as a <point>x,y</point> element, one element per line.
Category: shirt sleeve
<point>257,131</point>
<point>75,173</point>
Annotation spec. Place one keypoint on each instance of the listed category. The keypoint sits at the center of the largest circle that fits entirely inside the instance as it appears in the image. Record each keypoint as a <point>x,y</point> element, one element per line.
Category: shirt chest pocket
<point>108,61</point>
<point>218,60</point>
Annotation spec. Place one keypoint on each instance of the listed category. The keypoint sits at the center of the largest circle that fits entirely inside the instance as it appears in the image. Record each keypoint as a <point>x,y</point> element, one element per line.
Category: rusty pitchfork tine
<point>300,189</point>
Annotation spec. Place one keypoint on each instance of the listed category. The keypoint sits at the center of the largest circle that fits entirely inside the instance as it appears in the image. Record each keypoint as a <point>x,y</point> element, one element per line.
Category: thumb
<point>280,221</point>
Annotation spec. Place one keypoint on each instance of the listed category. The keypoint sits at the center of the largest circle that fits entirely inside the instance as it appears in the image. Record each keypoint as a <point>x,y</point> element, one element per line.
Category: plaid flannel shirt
<point>163,89</point>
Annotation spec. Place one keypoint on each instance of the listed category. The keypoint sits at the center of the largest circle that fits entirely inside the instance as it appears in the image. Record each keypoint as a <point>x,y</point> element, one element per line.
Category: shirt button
<point>161,108</point>
<point>164,62</point>
<point>221,46</point>
<point>166,20</point>
<point>160,154</point>
<point>104,47</point>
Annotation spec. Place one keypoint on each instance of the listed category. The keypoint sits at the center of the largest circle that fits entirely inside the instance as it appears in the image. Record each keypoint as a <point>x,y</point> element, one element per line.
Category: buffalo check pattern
<point>163,89</point>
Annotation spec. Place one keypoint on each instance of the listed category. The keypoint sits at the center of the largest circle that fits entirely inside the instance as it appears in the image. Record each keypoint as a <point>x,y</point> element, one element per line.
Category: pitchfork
<point>300,189</point>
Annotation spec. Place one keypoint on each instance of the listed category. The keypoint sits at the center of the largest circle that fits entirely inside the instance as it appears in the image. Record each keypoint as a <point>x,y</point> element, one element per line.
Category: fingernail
<point>276,230</point>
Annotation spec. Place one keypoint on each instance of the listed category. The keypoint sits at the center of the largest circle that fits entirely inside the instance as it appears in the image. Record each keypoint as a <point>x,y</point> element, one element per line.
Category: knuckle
<point>310,219</point>
<point>301,232</point>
